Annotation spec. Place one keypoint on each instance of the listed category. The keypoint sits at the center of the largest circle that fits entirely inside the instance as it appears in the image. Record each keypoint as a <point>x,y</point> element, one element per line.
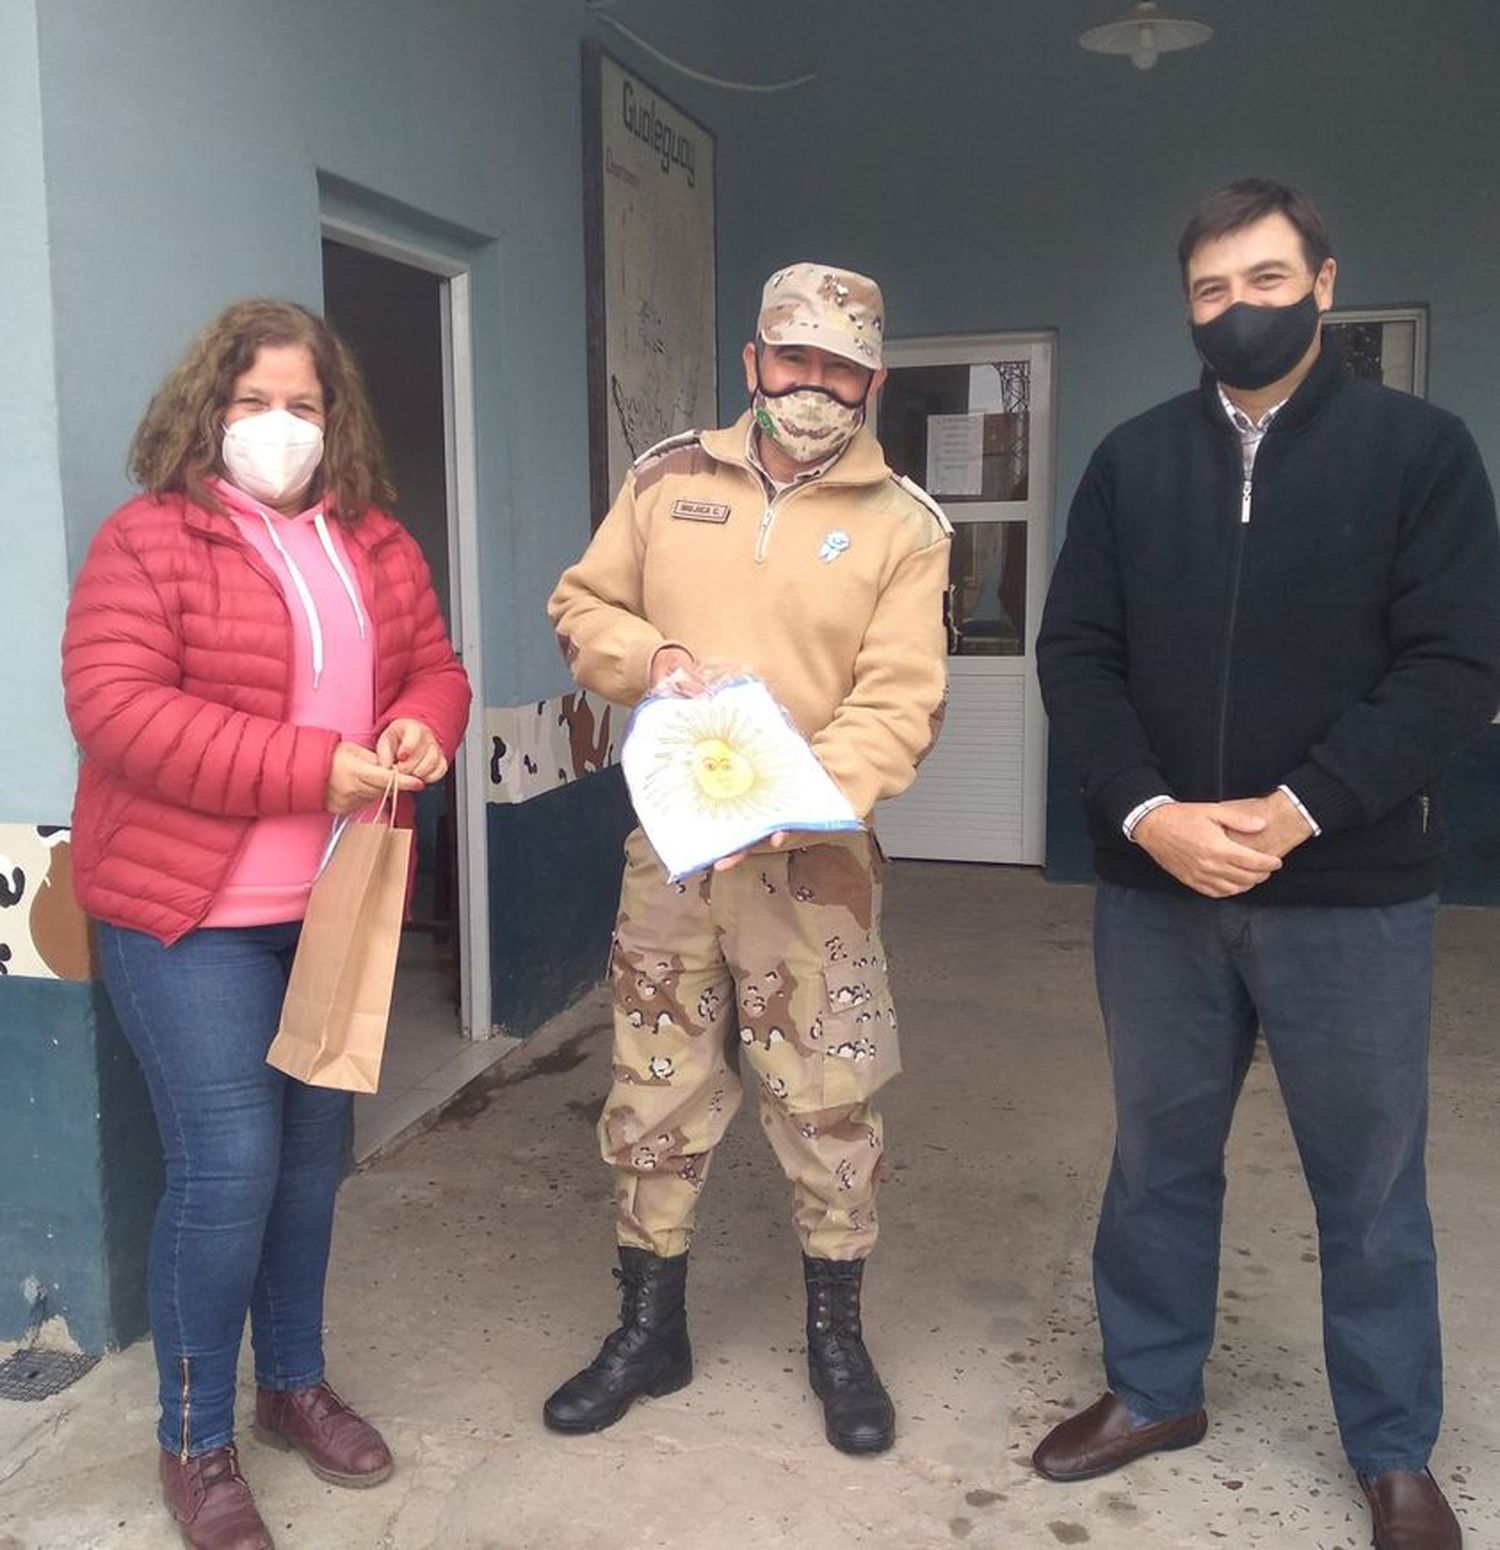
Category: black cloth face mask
<point>1251,347</point>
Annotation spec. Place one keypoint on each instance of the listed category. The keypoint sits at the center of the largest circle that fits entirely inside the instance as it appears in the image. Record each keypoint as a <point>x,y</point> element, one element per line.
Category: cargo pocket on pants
<point>857,1026</point>
<point>836,886</point>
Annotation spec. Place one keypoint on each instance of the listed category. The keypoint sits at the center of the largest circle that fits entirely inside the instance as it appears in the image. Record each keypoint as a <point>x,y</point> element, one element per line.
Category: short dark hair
<point>1243,203</point>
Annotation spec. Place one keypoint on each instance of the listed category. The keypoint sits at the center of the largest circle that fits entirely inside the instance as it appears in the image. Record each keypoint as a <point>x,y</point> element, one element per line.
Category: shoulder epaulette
<point>665,445</point>
<point>916,492</point>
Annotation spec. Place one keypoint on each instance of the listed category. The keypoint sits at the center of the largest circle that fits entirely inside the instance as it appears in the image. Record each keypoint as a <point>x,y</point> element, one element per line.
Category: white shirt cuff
<point>1296,801</point>
<point>1134,816</point>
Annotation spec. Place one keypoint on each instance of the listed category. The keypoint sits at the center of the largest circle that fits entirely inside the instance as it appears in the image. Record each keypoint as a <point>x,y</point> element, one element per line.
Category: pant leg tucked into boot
<point>857,1412</point>
<point>648,1354</point>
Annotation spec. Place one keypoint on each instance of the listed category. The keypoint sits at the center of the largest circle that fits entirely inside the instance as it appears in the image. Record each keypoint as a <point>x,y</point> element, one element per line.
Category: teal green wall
<point>184,145</point>
<point>36,752</point>
<point>79,1163</point>
<point>549,937</point>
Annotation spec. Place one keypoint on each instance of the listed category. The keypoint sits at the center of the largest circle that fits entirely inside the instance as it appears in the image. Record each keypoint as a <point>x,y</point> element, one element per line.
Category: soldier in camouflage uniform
<point>785,545</point>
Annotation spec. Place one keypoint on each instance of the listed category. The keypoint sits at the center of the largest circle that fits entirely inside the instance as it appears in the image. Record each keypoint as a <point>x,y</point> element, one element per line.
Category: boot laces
<point>635,1304</point>
<point>635,1320</point>
<point>217,1467</point>
<point>325,1403</point>
<point>839,1337</point>
<point>835,1308</point>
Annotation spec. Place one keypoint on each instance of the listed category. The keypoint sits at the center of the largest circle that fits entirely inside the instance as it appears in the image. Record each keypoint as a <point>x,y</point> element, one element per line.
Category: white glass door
<point>970,419</point>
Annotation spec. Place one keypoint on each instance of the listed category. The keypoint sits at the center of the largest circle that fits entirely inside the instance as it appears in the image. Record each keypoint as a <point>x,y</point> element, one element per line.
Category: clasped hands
<point>408,748</point>
<point>675,671</point>
<point>1222,848</point>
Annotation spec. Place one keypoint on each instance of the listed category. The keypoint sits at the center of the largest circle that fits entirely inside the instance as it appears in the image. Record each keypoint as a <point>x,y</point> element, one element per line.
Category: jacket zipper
<point>1426,802</point>
<point>768,516</point>
<point>1234,608</point>
<point>763,532</point>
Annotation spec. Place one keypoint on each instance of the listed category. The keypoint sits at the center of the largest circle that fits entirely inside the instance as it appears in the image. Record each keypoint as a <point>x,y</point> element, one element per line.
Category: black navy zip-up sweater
<point>1345,640</point>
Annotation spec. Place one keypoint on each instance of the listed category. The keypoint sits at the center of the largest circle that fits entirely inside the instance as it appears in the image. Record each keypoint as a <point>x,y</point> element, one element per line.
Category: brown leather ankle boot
<point>212,1505</point>
<point>339,1445</point>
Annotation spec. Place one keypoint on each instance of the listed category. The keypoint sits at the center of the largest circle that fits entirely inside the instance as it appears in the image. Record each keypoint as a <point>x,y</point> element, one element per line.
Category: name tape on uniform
<point>700,511</point>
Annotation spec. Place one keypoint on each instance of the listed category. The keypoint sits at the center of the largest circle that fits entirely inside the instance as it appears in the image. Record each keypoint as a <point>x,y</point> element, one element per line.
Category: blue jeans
<point>253,1161</point>
<point>1343,996</point>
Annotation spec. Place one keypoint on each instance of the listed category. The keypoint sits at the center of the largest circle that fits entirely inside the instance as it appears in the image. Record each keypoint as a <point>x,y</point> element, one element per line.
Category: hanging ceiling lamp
<point>1144,33</point>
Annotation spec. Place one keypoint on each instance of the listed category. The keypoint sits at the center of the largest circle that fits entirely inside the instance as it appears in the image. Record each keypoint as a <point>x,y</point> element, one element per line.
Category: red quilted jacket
<point>177,659</point>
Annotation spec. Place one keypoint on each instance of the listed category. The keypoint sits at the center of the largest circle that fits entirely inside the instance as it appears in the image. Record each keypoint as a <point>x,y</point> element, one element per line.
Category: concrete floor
<point>471,1274</point>
<point>427,1059</point>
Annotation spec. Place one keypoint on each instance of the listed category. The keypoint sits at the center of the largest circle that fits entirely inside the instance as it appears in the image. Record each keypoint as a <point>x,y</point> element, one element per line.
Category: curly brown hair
<point>176,446</point>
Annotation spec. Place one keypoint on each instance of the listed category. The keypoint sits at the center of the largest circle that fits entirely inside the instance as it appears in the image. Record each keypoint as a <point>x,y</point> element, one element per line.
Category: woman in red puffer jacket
<point>252,646</point>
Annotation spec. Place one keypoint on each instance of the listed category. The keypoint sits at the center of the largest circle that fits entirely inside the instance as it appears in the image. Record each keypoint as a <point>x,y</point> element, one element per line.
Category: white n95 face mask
<point>272,455</point>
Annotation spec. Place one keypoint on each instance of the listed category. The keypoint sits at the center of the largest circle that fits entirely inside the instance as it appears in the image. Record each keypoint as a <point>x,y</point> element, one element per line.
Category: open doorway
<point>397,315</point>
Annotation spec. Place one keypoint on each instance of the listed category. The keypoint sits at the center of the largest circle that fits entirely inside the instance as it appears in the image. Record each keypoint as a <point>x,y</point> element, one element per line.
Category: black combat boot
<point>858,1415</point>
<point>648,1354</point>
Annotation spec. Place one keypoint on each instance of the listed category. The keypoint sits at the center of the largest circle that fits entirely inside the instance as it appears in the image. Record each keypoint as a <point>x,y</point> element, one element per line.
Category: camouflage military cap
<point>834,309</point>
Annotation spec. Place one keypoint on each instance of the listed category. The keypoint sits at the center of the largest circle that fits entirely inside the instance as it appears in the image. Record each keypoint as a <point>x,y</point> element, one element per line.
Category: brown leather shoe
<point>339,1446</point>
<point>1409,1512</point>
<point>1101,1438</point>
<point>212,1505</point>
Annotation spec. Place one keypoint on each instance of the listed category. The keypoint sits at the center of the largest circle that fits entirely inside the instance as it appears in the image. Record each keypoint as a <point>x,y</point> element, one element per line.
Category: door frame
<point>471,771</point>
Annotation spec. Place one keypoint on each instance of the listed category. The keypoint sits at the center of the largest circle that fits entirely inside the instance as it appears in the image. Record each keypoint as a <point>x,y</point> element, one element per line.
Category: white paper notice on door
<point>955,454</point>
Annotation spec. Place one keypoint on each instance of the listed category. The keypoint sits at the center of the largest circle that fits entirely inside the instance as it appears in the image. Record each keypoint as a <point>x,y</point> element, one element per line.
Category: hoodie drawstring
<point>304,593</point>
<point>309,608</point>
<point>343,575</point>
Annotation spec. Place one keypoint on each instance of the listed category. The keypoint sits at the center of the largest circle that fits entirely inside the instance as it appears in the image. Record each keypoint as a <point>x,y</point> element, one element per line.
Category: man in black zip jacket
<point>1275,618</point>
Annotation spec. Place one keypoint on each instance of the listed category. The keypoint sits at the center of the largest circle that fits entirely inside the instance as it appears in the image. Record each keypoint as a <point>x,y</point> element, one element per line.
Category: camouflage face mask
<point>809,424</point>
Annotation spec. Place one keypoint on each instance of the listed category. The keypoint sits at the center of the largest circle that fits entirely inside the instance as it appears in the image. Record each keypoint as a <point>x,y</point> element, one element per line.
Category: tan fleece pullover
<point>830,591</point>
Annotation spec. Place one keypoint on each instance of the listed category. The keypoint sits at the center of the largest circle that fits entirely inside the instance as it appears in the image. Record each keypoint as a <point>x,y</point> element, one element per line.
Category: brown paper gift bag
<point>338,999</point>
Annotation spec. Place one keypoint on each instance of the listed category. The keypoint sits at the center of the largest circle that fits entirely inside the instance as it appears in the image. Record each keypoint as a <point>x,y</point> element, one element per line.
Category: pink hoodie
<point>332,686</point>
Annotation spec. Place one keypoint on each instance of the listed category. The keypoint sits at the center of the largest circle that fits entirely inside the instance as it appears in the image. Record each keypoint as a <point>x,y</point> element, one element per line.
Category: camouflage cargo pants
<point>776,964</point>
